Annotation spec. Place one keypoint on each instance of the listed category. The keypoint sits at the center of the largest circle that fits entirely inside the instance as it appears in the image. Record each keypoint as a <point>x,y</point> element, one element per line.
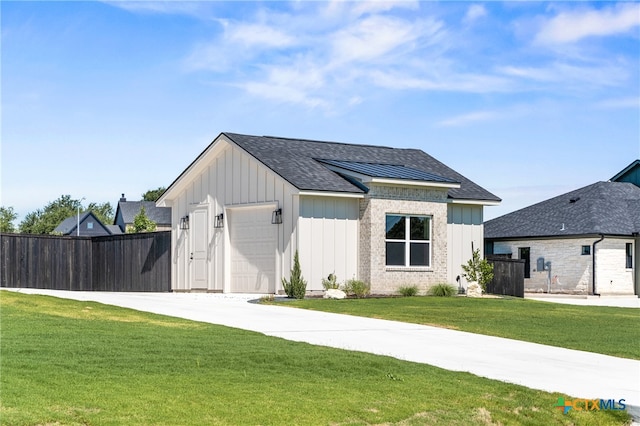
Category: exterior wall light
<point>184,222</point>
<point>219,222</point>
<point>276,217</point>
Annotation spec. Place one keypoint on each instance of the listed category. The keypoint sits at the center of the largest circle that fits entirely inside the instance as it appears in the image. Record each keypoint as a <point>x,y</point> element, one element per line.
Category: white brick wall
<point>408,201</point>
<point>571,272</point>
<point>611,275</point>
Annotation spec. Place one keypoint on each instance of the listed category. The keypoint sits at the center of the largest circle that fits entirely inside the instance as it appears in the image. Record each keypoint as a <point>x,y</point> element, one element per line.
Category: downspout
<point>593,266</point>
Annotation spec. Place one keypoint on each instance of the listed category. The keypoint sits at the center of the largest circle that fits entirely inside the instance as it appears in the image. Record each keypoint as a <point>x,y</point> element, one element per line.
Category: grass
<point>78,363</point>
<point>605,330</point>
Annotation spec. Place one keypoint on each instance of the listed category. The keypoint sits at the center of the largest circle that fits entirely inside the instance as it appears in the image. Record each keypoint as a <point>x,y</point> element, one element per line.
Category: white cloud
<point>472,117</point>
<point>335,9</point>
<point>371,39</point>
<point>260,35</point>
<point>569,27</point>
<point>325,55</point>
<point>161,7</point>
<point>296,85</point>
<point>474,13</point>
<point>449,81</point>
<point>570,75</point>
<point>370,7</point>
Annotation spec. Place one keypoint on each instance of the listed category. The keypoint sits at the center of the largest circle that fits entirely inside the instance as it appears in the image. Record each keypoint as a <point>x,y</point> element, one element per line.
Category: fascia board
<point>475,202</point>
<point>329,194</point>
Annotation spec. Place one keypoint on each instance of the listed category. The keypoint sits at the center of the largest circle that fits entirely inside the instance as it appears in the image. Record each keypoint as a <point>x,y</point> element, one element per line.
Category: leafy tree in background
<point>153,194</point>
<point>45,220</point>
<point>7,216</point>
<point>103,211</point>
<point>142,223</point>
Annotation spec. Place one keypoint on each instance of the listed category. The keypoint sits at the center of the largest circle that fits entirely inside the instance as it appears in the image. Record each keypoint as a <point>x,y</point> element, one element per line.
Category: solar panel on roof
<point>389,171</point>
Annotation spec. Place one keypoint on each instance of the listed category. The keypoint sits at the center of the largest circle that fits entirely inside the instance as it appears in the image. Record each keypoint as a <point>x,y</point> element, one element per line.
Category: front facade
<point>389,217</point>
<point>583,242</point>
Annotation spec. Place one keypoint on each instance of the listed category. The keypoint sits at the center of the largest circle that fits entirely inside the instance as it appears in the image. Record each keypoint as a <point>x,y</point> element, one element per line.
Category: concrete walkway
<point>569,372</point>
<point>612,301</point>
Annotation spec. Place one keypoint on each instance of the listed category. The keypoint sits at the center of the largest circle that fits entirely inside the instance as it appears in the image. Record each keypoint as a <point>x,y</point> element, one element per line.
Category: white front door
<point>198,257</point>
<point>253,250</point>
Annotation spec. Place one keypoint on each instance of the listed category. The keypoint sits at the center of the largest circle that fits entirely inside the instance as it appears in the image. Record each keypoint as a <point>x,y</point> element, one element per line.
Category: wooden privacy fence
<point>508,276</point>
<point>128,262</point>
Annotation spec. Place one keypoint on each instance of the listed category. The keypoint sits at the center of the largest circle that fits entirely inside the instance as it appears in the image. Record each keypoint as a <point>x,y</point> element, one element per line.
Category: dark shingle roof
<point>296,161</point>
<point>129,209</point>
<point>610,208</point>
<point>70,223</point>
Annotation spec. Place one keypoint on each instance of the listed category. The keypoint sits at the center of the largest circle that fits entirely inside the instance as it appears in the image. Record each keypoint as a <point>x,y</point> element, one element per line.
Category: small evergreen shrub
<point>478,270</point>
<point>331,282</point>
<point>295,286</point>
<point>357,288</point>
<point>408,290</point>
<point>443,290</point>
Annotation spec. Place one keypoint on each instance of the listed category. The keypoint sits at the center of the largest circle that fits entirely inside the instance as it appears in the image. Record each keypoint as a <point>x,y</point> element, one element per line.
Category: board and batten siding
<point>328,239</point>
<point>464,226</point>
<point>226,176</point>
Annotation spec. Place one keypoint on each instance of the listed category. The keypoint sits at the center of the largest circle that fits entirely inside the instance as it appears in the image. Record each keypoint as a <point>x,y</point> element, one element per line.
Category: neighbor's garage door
<point>253,250</point>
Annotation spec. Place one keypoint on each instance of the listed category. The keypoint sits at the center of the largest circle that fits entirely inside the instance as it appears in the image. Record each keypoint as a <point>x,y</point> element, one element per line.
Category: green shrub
<point>408,290</point>
<point>357,288</point>
<point>331,282</point>
<point>443,290</point>
<point>478,270</point>
<point>296,286</point>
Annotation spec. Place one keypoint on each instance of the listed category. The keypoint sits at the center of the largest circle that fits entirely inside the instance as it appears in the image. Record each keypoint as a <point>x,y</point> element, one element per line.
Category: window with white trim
<point>408,240</point>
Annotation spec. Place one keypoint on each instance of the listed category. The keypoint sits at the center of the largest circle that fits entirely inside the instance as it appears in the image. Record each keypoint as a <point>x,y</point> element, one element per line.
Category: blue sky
<point>528,99</point>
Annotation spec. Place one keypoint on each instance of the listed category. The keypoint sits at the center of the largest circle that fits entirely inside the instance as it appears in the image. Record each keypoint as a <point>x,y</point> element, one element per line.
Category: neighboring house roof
<point>308,164</point>
<point>128,210</point>
<point>631,173</point>
<point>114,229</point>
<point>70,224</point>
<point>609,208</point>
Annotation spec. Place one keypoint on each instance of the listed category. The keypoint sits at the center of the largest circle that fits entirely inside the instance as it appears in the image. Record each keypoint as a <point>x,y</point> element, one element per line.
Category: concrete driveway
<point>569,372</point>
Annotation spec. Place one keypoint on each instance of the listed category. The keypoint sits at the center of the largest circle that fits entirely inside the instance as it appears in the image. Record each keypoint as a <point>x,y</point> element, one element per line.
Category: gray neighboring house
<point>631,174</point>
<point>128,210</point>
<point>90,226</point>
<point>387,216</point>
<point>583,242</point>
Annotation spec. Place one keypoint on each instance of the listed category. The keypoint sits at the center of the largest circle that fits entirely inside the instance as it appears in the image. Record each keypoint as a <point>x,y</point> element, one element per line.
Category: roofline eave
<point>474,201</point>
<point>317,193</point>
<point>555,237</point>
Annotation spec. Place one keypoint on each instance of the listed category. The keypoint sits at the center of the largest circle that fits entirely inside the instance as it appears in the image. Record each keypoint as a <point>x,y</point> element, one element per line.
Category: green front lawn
<point>66,362</point>
<point>611,331</point>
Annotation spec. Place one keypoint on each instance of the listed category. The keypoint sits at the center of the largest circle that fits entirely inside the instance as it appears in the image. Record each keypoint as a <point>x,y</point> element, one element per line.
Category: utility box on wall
<point>540,264</point>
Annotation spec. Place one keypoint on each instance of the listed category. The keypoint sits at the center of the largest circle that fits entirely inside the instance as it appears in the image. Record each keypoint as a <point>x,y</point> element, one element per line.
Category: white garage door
<point>253,250</point>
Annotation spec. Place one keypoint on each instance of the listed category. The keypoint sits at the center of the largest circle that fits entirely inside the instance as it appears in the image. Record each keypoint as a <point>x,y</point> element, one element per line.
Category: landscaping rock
<point>474,290</point>
<point>334,294</point>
